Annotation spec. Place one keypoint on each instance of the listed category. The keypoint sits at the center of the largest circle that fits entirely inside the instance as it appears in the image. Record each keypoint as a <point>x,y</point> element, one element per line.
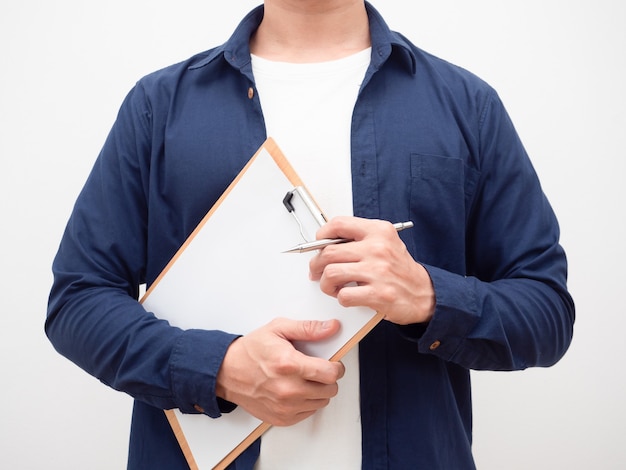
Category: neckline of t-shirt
<point>298,69</point>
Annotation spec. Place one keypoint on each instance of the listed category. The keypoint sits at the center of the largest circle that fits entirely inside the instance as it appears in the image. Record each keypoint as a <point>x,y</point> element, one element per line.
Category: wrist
<point>225,374</point>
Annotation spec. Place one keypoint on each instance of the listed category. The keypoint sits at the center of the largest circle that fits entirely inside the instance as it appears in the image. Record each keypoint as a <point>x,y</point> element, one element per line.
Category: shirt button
<point>250,93</point>
<point>435,345</point>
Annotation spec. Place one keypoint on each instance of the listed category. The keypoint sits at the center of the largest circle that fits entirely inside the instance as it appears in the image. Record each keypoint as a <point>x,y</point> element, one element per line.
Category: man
<point>379,130</point>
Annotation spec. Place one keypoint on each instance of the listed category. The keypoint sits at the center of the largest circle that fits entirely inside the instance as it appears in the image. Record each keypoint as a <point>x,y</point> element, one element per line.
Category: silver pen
<point>319,244</point>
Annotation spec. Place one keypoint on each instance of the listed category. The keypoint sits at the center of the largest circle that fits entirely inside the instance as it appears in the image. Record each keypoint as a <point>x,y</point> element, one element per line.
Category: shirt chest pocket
<point>440,196</point>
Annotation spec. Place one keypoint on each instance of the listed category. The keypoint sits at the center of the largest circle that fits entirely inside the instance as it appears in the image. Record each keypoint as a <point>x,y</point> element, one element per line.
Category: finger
<point>351,252</point>
<point>321,371</point>
<point>317,392</point>
<point>358,296</point>
<point>307,367</point>
<point>382,246</point>
<point>354,228</point>
<point>337,276</point>
<point>308,409</point>
<point>305,330</point>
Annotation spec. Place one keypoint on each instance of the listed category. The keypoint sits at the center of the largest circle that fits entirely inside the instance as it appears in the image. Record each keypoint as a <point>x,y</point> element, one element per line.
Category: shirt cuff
<point>195,361</point>
<point>456,313</point>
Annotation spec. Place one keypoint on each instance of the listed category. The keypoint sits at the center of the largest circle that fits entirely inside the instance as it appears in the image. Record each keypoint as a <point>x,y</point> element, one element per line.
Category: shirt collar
<point>236,51</point>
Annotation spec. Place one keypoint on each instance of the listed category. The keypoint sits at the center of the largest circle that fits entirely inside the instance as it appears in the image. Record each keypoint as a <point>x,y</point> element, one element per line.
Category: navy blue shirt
<point>431,143</point>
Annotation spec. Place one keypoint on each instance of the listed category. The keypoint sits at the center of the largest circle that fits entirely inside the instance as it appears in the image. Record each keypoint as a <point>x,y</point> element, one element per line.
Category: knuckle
<point>344,299</point>
<point>284,398</point>
<point>379,248</point>
<point>386,228</point>
<point>282,417</point>
<point>327,287</point>
<point>314,265</point>
<point>275,322</point>
<point>333,271</point>
<point>285,364</point>
<point>339,222</point>
<point>387,295</point>
<point>283,395</point>
<point>330,373</point>
<point>330,272</point>
<point>321,261</point>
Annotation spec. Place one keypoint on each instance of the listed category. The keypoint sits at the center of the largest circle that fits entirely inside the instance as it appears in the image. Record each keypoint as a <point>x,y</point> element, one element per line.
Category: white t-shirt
<point>308,111</point>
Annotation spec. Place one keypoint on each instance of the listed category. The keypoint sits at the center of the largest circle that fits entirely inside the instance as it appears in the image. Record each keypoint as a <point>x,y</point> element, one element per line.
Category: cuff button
<point>435,345</point>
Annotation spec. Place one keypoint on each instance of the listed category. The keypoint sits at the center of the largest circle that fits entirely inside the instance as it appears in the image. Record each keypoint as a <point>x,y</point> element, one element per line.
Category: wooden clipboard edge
<point>233,454</point>
<point>180,437</point>
<point>359,335</point>
<point>230,457</point>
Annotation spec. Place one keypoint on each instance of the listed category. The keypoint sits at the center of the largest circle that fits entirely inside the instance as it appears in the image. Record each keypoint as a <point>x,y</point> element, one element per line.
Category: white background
<point>560,67</point>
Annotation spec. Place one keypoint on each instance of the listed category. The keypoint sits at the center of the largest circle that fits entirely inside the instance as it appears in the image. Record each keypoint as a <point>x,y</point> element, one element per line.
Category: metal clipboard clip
<point>305,211</point>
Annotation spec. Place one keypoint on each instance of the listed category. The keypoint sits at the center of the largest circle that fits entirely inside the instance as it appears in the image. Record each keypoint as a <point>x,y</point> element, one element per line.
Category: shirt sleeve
<point>512,309</point>
<point>94,318</point>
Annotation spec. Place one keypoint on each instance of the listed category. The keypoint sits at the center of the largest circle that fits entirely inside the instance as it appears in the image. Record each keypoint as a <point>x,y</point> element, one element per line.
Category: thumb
<point>306,330</point>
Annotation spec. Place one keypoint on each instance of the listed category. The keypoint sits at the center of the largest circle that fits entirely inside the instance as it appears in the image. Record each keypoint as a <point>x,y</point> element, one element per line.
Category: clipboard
<point>231,274</point>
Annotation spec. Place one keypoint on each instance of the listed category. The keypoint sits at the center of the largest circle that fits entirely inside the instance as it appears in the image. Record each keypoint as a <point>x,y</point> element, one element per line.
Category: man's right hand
<point>264,374</point>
